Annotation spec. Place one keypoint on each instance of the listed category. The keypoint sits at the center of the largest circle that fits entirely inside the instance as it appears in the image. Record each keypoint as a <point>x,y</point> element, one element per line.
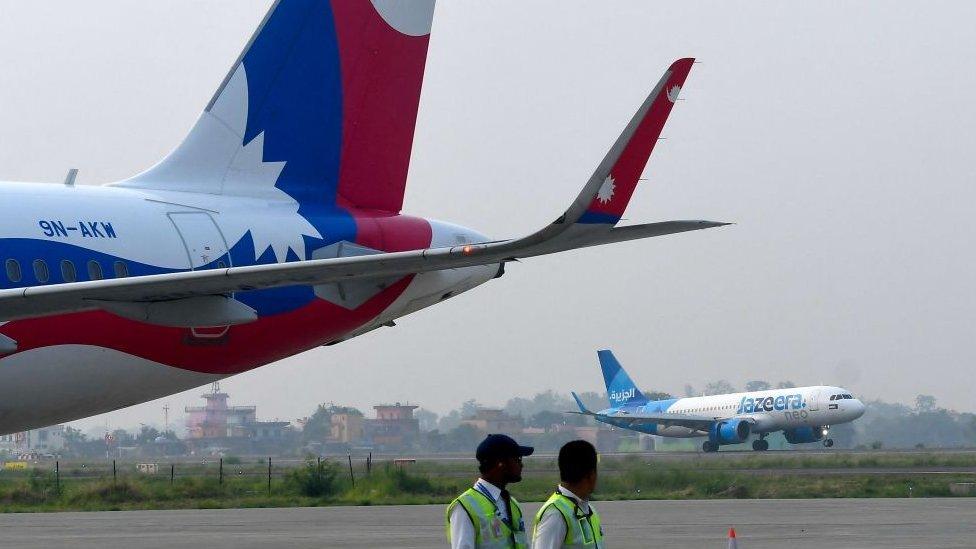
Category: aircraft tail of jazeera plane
<point>621,390</point>
<point>320,106</point>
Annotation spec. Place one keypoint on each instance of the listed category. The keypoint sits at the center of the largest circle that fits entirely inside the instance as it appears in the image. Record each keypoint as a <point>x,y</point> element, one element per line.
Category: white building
<point>46,440</point>
<point>9,444</point>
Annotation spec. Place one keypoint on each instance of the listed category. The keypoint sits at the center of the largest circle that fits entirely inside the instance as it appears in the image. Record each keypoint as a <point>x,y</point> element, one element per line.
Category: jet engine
<point>802,435</point>
<point>733,431</point>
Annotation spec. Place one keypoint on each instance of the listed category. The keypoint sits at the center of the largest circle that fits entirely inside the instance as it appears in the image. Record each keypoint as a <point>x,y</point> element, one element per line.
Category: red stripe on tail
<point>382,73</point>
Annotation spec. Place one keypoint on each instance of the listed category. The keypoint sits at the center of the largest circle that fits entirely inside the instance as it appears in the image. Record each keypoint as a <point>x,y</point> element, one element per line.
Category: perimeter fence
<point>251,472</point>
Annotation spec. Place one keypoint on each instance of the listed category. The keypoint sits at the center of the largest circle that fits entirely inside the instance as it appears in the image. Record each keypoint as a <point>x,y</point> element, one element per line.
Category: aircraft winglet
<point>579,403</point>
<point>608,191</point>
<point>592,217</point>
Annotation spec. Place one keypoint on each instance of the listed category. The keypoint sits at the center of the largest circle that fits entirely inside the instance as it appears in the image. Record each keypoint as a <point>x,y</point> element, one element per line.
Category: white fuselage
<point>768,411</point>
<point>73,365</point>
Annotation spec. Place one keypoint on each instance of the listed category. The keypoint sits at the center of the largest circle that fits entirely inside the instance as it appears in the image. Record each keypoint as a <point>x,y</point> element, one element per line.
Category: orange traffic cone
<point>732,543</point>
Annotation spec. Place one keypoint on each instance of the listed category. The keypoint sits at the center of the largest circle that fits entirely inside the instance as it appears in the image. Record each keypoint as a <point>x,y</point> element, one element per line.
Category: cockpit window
<point>849,397</point>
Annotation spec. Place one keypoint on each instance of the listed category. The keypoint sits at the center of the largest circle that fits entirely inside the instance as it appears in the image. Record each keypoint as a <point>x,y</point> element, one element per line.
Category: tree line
<point>922,423</point>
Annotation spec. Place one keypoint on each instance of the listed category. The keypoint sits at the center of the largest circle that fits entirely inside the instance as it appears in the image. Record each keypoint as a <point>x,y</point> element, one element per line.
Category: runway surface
<point>797,524</point>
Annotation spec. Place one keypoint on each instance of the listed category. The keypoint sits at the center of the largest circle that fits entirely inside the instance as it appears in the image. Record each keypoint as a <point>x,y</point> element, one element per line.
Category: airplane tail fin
<point>621,390</point>
<point>319,108</point>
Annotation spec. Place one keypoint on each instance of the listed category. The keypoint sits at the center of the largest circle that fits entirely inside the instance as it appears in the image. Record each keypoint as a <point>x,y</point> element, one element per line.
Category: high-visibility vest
<point>491,531</point>
<point>582,529</point>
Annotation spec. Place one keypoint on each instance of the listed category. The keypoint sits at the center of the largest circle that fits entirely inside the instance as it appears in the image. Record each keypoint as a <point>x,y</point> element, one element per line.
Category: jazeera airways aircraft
<point>804,414</point>
<point>273,228</point>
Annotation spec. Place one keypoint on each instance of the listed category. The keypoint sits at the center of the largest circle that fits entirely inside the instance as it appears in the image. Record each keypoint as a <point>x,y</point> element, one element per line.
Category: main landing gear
<point>760,444</point>
<point>709,446</point>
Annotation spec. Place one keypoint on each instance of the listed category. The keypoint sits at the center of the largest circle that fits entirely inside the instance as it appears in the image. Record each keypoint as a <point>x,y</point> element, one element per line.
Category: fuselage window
<point>13,270</point>
<point>94,270</point>
<point>68,272</point>
<point>41,272</point>
<point>121,269</point>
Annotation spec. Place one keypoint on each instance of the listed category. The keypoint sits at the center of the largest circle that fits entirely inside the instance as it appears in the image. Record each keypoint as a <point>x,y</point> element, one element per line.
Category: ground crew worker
<point>485,516</point>
<point>567,519</point>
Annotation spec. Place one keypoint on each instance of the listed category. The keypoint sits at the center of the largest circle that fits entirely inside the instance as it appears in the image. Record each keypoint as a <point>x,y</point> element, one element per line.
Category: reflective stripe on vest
<point>581,530</point>
<point>490,531</point>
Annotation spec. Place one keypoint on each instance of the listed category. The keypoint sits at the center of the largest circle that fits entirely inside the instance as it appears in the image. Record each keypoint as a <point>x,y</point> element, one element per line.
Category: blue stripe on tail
<point>295,98</point>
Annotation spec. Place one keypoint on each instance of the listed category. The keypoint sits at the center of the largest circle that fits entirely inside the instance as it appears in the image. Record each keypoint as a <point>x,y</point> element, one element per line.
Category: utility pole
<point>166,417</point>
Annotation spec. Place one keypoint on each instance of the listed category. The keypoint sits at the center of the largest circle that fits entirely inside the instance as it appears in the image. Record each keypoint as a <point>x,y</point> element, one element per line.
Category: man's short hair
<point>577,459</point>
<point>486,465</point>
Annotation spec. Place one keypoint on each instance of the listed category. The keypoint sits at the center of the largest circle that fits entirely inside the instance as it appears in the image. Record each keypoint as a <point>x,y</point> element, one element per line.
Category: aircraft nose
<point>859,408</point>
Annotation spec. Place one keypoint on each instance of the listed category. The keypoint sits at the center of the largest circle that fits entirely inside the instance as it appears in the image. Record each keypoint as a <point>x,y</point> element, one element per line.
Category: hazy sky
<point>838,137</point>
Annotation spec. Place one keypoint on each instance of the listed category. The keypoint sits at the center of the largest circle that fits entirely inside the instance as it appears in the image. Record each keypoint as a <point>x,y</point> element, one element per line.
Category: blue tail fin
<point>620,388</point>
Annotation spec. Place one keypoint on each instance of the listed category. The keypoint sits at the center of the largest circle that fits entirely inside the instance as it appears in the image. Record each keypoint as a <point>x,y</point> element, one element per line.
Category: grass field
<point>245,483</point>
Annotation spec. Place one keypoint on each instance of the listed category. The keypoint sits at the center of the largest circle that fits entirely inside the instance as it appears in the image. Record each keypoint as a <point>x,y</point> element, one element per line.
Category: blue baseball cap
<point>501,446</point>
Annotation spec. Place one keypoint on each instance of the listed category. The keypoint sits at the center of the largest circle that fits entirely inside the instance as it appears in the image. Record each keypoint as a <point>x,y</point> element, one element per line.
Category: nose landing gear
<point>709,446</point>
<point>828,442</point>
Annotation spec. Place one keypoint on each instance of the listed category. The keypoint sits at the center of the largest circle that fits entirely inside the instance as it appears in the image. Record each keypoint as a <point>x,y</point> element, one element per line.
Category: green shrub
<point>40,488</point>
<point>199,488</point>
<point>316,478</point>
<point>411,484</point>
<point>122,491</point>
<point>42,482</point>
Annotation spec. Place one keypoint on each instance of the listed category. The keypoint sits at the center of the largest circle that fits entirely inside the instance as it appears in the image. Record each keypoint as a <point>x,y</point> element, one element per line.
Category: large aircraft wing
<point>665,420</point>
<point>626,419</point>
<point>589,221</point>
<point>38,301</point>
